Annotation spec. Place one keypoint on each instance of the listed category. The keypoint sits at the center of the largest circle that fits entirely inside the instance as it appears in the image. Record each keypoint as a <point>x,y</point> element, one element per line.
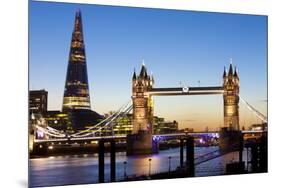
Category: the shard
<point>76,92</point>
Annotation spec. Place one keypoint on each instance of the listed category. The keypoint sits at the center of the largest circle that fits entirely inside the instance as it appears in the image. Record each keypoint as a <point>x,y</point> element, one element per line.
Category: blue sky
<point>176,46</point>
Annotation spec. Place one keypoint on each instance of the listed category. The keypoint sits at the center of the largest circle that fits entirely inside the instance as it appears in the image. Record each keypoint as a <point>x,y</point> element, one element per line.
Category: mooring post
<point>190,156</point>
<point>101,161</point>
<point>112,161</point>
<point>181,152</point>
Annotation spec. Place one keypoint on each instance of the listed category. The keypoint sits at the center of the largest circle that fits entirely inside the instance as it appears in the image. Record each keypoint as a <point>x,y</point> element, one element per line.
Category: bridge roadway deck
<point>123,137</point>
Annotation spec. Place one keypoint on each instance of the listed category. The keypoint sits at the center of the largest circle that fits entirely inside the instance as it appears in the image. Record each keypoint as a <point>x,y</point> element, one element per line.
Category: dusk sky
<point>177,46</point>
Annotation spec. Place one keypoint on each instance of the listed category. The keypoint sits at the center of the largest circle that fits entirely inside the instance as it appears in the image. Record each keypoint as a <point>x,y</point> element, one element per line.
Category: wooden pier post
<point>190,156</point>
<point>112,161</point>
<point>181,152</point>
<point>101,161</point>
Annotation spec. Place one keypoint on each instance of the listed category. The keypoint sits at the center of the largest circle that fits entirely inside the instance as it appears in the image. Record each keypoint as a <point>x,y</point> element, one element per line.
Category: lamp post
<point>170,164</point>
<point>125,173</point>
<point>149,167</point>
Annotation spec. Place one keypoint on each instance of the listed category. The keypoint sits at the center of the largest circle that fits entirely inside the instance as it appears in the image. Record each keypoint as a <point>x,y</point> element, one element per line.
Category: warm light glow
<point>50,147</point>
<point>76,102</point>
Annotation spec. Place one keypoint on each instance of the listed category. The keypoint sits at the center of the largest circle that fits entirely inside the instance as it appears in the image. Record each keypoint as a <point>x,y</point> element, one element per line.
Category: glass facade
<point>38,100</point>
<point>58,120</point>
<point>76,93</point>
<point>160,126</point>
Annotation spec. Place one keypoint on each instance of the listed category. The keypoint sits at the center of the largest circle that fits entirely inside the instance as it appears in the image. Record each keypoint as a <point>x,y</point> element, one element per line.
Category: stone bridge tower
<point>142,101</point>
<point>231,99</point>
<point>230,135</point>
<point>140,141</point>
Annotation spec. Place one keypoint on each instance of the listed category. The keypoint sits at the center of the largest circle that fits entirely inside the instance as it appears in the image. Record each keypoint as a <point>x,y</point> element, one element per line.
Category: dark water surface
<point>81,169</point>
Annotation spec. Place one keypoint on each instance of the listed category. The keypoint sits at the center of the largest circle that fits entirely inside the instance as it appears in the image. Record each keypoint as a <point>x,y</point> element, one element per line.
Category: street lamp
<point>170,164</point>
<point>125,173</point>
<point>149,167</point>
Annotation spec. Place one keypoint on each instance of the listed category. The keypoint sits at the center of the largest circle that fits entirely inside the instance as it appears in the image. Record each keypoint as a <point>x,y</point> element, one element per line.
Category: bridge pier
<point>230,140</point>
<point>140,143</point>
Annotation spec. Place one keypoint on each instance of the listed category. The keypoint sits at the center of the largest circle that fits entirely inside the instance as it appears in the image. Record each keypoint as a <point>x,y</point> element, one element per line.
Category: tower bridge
<point>143,91</point>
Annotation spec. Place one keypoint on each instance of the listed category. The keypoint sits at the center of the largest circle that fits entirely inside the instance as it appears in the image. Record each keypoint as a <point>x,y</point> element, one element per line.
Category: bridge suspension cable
<point>108,119</point>
<point>49,133</point>
<point>121,113</point>
<point>43,127</point>
<point>255,111</point>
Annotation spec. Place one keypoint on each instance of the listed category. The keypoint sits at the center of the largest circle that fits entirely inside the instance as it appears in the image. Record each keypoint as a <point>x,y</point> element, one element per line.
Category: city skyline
<point>113,54</point>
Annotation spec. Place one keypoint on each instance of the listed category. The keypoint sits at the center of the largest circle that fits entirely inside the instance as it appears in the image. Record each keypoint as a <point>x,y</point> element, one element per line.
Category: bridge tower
<point>140,142</point>
<point>142,101</point>
<point>230,135</point>
<point>231,98</point>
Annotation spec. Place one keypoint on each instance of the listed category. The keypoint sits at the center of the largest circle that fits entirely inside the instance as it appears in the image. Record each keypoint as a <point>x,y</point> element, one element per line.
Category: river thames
<point>83,169</point>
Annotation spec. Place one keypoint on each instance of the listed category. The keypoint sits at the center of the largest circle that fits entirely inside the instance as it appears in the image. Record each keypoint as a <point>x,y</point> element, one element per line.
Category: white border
<point>13,93</point>
<point>233,6</point>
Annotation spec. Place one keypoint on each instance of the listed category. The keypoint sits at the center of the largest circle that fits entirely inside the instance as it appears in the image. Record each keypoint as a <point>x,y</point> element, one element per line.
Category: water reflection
<point>79,169</point>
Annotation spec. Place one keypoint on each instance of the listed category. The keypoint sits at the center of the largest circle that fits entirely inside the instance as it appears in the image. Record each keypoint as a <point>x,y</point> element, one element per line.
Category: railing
<point>80,139</point>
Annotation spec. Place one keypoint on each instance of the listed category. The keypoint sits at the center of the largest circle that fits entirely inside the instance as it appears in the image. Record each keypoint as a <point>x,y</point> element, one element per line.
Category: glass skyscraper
<point>76,93</point>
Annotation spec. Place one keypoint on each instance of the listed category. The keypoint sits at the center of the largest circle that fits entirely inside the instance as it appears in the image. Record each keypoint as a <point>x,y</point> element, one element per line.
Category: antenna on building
<point>143,62</point>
